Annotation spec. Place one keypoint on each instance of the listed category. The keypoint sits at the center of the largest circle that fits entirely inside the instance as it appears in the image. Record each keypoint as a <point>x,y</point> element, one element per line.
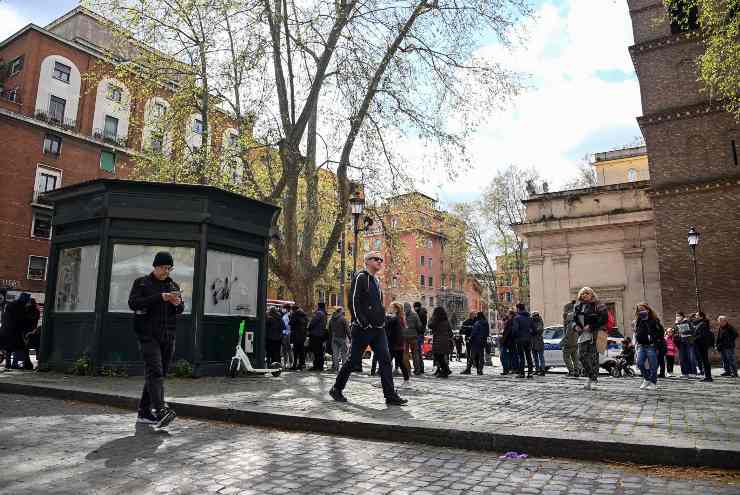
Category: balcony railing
<point>110,138</point>
<point>54,118</point>
<point>39,199</point>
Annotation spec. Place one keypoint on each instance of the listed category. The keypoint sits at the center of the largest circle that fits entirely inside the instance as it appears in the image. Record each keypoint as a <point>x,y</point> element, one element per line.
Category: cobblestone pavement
<point>57,447</point>
<point>682,412</point>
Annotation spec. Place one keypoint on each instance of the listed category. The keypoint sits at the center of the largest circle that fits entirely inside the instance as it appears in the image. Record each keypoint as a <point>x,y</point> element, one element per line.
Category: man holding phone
<point>156,302</point>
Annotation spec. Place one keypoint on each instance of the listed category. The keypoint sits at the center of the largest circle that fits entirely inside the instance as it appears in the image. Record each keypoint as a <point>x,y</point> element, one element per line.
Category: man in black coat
<point>522,329</point>
<point>298,331</point>
<point>368,328</point>
<point>316,334</point>
<point>421,312</point>
<point>156,302</point>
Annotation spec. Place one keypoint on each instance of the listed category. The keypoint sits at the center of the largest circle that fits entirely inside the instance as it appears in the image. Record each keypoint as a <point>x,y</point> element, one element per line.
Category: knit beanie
<point>163,258</point>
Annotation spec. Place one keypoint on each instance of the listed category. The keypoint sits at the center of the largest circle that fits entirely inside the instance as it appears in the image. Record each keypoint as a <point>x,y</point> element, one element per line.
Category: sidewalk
<point>685,422</point>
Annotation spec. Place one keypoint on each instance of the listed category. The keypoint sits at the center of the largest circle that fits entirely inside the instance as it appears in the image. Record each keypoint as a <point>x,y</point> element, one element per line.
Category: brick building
<point>57,128</point>
<point>693,159</point>
<point>424,260</point>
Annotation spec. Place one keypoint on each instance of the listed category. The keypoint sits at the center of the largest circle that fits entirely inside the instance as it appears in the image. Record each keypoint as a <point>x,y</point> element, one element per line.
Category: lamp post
<point>693,238</point>
<point>357,206</point>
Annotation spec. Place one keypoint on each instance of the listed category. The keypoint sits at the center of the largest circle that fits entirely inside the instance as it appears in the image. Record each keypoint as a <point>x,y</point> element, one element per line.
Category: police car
<point>554,352</point>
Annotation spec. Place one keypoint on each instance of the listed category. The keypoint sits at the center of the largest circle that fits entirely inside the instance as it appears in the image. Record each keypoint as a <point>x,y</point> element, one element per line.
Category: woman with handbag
<point>589,316</point>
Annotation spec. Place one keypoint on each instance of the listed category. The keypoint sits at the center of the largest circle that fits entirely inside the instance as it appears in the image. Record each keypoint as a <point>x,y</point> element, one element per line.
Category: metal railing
<point>53,118</point>
<point>616,154</point>
<point>110,138</point>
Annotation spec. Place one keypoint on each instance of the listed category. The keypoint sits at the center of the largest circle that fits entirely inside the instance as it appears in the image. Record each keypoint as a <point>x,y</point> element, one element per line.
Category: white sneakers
<point>646,385</point>
<point>587,385</point>
<point>668,375</point>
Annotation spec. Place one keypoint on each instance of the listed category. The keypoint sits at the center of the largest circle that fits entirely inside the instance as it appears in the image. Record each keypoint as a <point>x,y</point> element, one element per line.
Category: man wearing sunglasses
<point>156,301</point>
<point>368,328</point>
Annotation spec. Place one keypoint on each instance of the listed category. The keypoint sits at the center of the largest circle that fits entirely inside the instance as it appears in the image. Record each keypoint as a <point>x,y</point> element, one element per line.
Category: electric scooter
<point>241,359</point>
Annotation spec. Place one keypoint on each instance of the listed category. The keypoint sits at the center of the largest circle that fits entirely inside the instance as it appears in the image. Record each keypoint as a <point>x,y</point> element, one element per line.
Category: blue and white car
<point>554,352</point>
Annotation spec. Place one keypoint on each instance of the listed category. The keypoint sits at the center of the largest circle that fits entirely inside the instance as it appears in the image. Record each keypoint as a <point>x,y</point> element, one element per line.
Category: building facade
<point>424,260</point>
<point>602,237</point>
<point>694,168</point>
<point>58,127</point>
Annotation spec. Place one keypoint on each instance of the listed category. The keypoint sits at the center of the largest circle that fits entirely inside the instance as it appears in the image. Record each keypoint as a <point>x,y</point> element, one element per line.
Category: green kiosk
<point>105,235</point>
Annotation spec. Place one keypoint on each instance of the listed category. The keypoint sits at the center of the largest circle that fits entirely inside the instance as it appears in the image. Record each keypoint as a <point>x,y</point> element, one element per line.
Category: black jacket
<point>423,318</point>
<point>479,335</point>
<point>395,332</point>
<point>522,328</point>
<point>726,337</point>
<point>298,326</point>
<point>317,326</point>
<point>274,326</point>
<point>15,324</point>
<point>366,302</point>
<point>467,328</point>
<point>154,318</point>
<point>648,332</point>
<point>704,335</point>
<point>593,314</point>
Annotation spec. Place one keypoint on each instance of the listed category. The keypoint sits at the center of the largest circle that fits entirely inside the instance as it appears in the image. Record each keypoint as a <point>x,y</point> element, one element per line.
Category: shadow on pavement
<point>121,452</point>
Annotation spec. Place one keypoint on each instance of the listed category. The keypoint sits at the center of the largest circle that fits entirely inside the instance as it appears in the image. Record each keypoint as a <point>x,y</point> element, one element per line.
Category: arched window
<point>631,175</point>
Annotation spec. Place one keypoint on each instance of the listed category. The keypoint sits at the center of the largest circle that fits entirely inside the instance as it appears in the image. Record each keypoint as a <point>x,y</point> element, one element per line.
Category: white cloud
<point>550,126</point>
<point>12,21</point>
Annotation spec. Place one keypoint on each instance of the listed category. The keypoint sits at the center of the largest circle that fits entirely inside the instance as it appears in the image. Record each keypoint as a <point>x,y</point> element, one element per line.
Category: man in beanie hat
<point>156,302</point>
<point>368,328</point>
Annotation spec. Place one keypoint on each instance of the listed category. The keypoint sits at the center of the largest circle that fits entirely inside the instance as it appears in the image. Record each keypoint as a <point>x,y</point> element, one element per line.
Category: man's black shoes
<point>395,400</point>
<point>337,395</point>
<point>165,417</point>
<point>146,418</point>
<point>466,371</point>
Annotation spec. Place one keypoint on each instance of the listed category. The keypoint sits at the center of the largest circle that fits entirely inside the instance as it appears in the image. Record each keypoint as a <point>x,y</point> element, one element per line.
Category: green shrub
<point>183,369</point>
<point>112,372</point>
<point>83,366</point>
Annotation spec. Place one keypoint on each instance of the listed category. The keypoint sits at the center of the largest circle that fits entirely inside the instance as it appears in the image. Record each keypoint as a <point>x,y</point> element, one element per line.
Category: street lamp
<point>357,206</point>
<point>693,238</point>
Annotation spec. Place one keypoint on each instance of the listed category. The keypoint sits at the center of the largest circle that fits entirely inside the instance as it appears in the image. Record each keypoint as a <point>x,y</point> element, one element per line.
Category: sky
<point>582,94</point>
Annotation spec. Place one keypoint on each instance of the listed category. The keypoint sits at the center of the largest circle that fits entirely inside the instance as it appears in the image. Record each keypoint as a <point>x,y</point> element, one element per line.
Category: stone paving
<point>52,446</point>
<point>681,413</point>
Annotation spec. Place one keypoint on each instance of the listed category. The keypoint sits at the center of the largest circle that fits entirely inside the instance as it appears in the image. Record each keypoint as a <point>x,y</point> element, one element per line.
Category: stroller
<point>618,367</point>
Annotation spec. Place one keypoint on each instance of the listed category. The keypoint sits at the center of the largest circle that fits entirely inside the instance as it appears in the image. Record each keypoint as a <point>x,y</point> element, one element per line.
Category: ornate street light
<point>357,206</point>
<point>693,239</point>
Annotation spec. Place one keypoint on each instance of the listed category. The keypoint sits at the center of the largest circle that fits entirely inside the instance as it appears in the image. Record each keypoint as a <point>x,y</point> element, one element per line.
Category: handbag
<point>601,341</point>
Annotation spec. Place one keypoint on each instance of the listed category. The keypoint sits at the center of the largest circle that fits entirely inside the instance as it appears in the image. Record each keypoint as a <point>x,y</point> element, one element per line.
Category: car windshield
<point>553,333</point>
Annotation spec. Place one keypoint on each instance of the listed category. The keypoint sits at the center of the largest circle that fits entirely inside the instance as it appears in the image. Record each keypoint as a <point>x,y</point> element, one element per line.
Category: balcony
<point>39,199</point>
<point>110,138</point>
<point>53,118</point>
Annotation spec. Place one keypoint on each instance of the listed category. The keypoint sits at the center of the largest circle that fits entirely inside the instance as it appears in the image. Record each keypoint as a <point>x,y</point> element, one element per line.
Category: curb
<point>588,450</point>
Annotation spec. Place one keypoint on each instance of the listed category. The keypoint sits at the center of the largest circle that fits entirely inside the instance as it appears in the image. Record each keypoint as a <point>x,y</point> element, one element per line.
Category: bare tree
<point>503,207</point>
<point>585,176</point>
<point>331,85</point>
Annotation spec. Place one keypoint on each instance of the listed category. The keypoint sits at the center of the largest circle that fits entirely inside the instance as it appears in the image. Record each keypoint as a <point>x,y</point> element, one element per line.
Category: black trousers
<point>273,351</point>
<point>478,358</point>
<point>157,355</point>
<point>299,354</point>
<point>378,342</point>
<point>524,350</point>
<point>317,348</point>
<point>703,355</point>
